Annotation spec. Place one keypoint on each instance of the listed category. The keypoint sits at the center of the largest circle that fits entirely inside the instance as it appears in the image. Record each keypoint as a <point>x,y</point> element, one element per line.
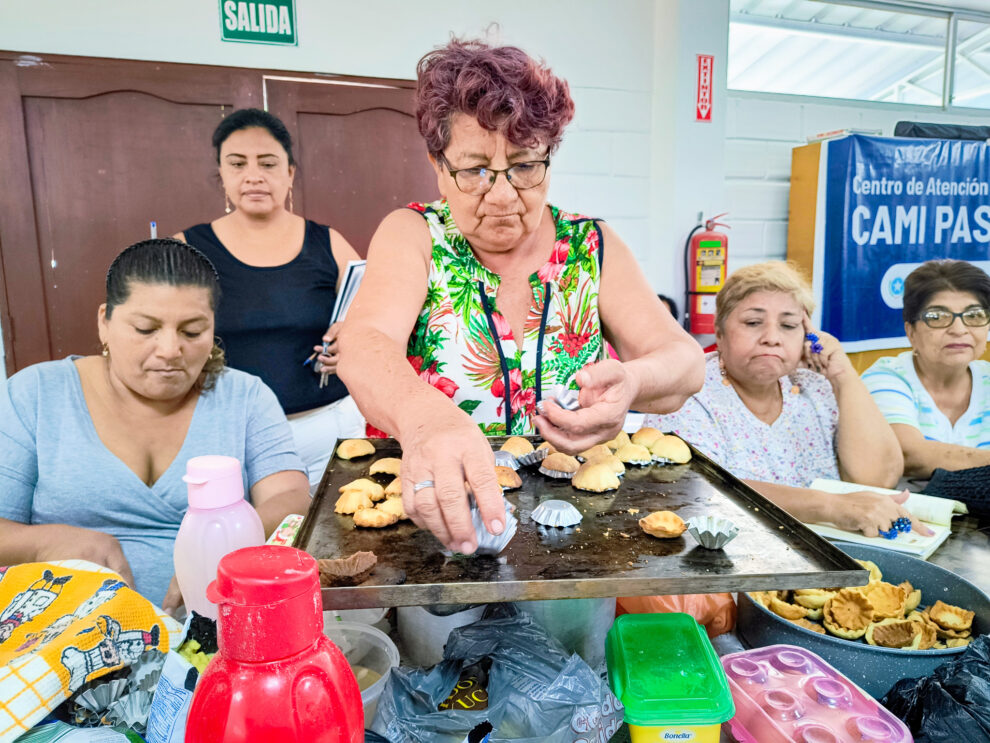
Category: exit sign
<point>271,22</point>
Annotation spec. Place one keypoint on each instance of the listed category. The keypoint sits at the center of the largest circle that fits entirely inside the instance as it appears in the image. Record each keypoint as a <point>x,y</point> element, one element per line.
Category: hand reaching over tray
<point>607,393</point>
<point>440,456</point>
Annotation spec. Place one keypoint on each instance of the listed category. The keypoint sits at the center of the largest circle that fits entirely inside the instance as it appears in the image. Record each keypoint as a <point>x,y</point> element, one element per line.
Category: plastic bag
<point>535,691</point>
<point>950,705</point>
<point>715,611</point>
<point>968,486</point>
<point>173,695</point>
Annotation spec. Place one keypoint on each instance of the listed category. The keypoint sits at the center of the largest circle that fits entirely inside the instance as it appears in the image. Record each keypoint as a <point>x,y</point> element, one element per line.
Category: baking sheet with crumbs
<point>607,554</point>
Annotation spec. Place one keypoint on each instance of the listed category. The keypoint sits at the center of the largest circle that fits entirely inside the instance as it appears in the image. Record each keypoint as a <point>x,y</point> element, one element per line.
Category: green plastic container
<point>665,672</point>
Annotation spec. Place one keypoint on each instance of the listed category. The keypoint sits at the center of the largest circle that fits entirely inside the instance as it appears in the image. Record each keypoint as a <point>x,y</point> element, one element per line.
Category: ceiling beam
<point>830,31</point>
<point>913,6</point>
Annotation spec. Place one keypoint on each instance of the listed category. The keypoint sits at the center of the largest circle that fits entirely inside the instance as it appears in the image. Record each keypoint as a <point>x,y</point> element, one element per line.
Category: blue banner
<point>890,205</point>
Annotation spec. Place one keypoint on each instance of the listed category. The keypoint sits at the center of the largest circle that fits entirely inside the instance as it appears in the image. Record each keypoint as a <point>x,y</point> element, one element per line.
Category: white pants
<point>316,433</point>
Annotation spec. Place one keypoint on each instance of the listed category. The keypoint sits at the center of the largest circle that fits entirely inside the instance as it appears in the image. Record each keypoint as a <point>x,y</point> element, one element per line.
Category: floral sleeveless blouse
<point>463,346</point>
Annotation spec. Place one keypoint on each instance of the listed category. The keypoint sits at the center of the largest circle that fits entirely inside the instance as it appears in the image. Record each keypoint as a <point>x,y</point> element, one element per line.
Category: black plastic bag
<point>940,131</point>
<point>951,705</point>
<point>536,692</point>
<point>971,486</point>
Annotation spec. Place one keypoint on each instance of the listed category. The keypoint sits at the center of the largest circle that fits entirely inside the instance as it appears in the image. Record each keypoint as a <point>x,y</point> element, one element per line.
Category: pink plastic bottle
<point>218,521</point>
<point>276,677</point>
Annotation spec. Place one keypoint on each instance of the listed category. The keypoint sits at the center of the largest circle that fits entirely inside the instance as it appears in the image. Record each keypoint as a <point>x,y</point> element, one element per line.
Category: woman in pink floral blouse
<point>474,308</point>
<point>780,408</point>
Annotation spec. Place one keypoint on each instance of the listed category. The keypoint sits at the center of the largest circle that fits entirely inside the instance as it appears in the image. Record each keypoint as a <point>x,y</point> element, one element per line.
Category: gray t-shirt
<point>54,469</point>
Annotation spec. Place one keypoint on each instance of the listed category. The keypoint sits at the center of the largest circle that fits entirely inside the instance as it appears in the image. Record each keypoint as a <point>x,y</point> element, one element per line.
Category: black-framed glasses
<point>478,181</point>
<point>939,317</point>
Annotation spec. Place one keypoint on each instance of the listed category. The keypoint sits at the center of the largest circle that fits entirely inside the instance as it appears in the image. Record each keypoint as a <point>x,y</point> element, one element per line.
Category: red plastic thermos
<point>276,677</point>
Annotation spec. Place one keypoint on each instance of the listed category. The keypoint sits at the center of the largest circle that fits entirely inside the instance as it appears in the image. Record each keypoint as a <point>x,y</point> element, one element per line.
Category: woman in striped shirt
<point>937,396</point>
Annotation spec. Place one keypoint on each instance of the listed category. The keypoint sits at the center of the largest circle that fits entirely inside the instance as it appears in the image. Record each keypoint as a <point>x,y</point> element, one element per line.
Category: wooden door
<point>359,152</point>
<point>103,148</point>
<point>94,150</point>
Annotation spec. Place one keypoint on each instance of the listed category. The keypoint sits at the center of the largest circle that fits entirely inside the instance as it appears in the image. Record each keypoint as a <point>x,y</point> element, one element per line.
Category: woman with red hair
<point>478,309</point>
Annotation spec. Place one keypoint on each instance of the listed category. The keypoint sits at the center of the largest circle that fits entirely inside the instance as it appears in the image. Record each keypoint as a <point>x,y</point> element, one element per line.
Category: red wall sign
<point>703,102</point>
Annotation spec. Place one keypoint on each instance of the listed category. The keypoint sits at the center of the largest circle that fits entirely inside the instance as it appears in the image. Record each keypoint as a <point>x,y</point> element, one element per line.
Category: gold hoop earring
<point>226,199</point>
<point>291,211</point>
<point>106,351</point>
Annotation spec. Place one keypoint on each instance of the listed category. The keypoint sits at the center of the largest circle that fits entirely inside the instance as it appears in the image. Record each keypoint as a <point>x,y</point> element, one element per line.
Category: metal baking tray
<point>609,556</point>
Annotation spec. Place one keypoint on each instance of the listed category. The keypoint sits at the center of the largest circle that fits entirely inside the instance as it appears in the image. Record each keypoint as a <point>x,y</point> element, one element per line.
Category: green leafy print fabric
<point>452,346</point>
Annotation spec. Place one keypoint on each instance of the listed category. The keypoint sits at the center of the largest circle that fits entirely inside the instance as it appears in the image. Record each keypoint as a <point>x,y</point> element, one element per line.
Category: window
<point>972,68</point>
<point>803,47</point>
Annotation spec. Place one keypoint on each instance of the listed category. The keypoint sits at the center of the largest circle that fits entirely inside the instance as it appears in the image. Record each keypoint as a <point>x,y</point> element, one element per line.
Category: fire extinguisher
<point>706,254</point>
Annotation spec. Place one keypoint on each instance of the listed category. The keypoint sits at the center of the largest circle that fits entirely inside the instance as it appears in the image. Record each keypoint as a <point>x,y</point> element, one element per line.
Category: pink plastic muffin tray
<point>786,694</point>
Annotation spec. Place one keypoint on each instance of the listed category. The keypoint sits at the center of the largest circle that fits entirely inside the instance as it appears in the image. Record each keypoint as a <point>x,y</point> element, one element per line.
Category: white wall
<point>605,51</point>
<point>688,155</point>
<point>603,166</point>
<point>761,131</point>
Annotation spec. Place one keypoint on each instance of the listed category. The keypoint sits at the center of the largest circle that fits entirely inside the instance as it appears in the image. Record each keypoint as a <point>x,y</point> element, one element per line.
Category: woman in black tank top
<point>279,275</point>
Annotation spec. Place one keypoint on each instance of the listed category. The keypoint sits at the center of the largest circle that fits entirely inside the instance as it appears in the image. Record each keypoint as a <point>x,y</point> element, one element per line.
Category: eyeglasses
<point>479,181</point>
<point>974,317</point>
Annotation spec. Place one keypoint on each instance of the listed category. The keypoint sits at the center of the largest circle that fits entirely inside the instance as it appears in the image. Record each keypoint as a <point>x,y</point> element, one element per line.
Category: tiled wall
<point>603,166</point>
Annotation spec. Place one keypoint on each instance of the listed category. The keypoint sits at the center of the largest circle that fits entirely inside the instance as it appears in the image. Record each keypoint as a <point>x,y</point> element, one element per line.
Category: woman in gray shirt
<point>93,448</point>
